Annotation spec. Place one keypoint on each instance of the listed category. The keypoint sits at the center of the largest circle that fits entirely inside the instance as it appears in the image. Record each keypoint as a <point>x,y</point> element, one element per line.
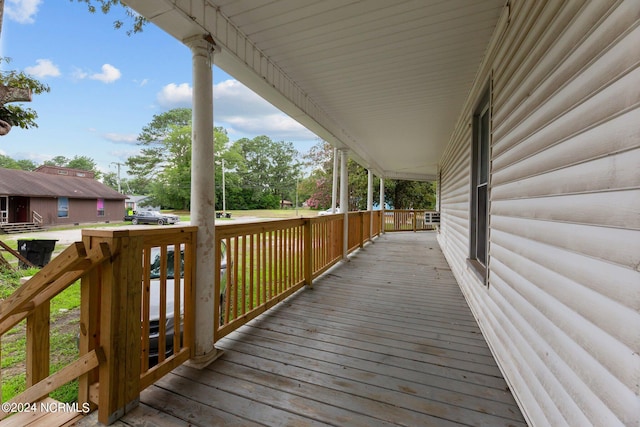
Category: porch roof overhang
<point>387,80</point>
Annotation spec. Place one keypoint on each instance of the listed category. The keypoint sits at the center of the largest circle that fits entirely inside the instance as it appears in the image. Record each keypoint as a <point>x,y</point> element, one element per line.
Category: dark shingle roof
<point>35,184</point>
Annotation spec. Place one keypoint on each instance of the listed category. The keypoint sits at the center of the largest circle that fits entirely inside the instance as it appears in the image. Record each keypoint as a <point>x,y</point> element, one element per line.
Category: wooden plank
<point>120,326</point>
<point>15,254</point>
<point>386,397</point>
<point>37,357</point>
<point>264,405</point>
<point>52,288</point>
<point>39,418</point>
<point>69,259</point>
<point>68,373</point>
<point>175,405</point>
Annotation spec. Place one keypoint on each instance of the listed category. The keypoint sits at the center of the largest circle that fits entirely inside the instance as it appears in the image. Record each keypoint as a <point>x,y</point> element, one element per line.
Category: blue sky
<point>106,86</point>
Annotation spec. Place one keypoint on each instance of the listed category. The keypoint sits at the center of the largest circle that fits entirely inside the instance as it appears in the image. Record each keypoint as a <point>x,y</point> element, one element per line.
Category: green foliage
<point>84,163</point>
<point>399,194</point>
<point>105,6</point>
<point>9,163</point>
<point>268,172</point>
<point>63,344</point>
<point>17,115</point>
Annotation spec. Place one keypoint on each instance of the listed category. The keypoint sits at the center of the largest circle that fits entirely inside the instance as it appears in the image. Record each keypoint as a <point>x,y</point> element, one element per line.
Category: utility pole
<point>118,164</point>
<point>224,194</point>
<point>297,184</point>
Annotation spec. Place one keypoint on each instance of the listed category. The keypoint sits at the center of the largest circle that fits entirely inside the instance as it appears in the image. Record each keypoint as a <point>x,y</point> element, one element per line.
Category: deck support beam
<point>370,201</point>
<point>203,198</point>
<point>382,205</point>
<point>344,201</point>
<point>334,185</point>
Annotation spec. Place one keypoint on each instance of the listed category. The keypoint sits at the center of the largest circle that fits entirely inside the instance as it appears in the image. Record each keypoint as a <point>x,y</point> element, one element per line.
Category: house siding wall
<point>80,211</point>
<point>561,311</point>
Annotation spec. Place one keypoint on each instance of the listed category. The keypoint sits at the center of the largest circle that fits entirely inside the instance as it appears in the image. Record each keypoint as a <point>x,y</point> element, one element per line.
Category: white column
<point>203,198</point>
<point>344,200</point>
<point>382,205</point>
<point>370,200</point>
<point>334,184</point>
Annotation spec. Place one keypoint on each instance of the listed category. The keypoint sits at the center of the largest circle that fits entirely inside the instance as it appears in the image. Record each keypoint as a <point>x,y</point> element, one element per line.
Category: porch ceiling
<point>387,79</point>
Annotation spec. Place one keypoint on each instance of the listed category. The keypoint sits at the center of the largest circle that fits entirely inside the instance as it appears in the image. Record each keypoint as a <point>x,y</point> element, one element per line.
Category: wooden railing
<point>141,344</point>
<point>123,274</point>
<point>32,302</point>
<point>268,261</point>
<point>36,218</point>
<point>136,315</point>
<point>411,220</point>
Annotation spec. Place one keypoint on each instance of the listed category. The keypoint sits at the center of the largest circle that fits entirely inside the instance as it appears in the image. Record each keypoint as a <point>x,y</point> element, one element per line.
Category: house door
<point>4,209</point>
<point>20,208</point>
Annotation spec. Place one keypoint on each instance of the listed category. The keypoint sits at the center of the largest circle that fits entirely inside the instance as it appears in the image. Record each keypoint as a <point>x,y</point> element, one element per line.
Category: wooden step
<point>20,227</point>
<point>48,412</point>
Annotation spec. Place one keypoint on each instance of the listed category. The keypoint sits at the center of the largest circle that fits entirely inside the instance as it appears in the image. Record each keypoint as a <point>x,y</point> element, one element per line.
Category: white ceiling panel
<point>385,78</point>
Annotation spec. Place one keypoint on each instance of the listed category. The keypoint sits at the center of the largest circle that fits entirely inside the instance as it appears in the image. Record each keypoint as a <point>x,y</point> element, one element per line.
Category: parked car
<point>154,217</point>
<point>154,298</point>
<point>328,212</point>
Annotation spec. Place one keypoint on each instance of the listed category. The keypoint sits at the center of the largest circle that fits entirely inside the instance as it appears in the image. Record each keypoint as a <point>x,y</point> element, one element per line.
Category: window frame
<point>480,187</point>
<point>100,207</point>
<point>63,208</point>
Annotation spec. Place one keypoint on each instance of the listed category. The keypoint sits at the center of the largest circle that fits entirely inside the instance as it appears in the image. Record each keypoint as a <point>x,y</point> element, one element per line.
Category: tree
<point>318,184</point>
<point>268,172</point>
<point>162,170</point>
<point>105,7</point>
<point>9,163</point>
<point>84,163</point>
<point>149,163</point>
<point>410,194</point>
<point>16,86</point>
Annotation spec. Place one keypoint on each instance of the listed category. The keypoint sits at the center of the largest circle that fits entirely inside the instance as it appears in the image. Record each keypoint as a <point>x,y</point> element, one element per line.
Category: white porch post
<point>203,198</point>
<point>370,200</point>
<point>334,184</point>
<point>382,205</point>
<point>344,201</point>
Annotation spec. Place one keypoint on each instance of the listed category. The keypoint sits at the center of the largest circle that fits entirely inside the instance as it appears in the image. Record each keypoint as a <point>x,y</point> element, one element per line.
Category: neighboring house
<point>62,171</point>
<point>53,197</point>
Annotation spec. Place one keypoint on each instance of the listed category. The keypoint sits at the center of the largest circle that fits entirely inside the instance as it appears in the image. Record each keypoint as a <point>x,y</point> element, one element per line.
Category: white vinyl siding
<point>562,310</point>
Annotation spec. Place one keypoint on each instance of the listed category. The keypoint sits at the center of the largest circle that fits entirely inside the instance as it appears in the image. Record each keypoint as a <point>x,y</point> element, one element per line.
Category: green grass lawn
<point>65,318</point>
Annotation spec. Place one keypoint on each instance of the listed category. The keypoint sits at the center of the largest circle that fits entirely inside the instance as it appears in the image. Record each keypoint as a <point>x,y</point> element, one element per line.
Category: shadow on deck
<point>386,339</point>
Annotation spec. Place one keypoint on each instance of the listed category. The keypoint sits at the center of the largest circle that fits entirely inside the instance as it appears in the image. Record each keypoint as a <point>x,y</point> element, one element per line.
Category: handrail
<point>117,316</point>
<point>31,301</point>
<point>411,220</point>
<point>268,261</point>
<point>264,265</point>
<point>36,218</point>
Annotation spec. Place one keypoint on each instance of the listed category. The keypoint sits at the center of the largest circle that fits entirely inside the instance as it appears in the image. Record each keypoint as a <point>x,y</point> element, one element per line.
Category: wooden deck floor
<point>385,339</point>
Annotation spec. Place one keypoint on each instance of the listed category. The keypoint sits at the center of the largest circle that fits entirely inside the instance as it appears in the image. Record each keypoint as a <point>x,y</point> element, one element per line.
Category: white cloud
<point>121,138</point>
<point>79,74</point>
<point>22,11</point>
<point>44,68</point>
<point>109,74</point>
<point>243,112</point>
<point>174,96</point>
<point>239,110</point>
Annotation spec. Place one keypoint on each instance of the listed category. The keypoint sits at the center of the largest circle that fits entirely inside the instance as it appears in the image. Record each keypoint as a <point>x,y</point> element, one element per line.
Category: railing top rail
<point>54,277</point>
<point>228,230</point>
